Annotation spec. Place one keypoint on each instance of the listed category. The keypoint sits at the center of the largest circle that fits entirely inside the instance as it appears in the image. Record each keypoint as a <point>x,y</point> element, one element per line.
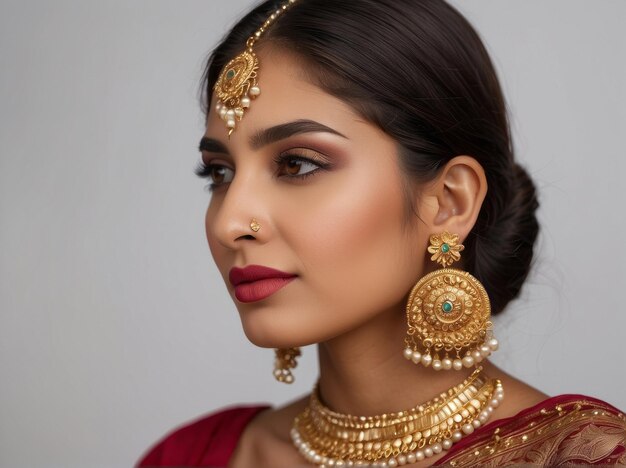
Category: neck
<point>364,373</point>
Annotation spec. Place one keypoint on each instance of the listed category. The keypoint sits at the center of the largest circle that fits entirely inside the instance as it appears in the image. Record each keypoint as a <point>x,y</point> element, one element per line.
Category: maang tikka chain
<point>448,313</point>
<point>237,84</point>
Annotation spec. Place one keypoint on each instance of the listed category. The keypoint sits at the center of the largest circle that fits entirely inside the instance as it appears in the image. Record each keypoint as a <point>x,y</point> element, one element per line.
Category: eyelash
<point>205,170</point>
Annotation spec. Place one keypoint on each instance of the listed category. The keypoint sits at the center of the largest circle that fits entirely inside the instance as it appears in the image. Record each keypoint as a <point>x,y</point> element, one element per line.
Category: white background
<point>114,324</point>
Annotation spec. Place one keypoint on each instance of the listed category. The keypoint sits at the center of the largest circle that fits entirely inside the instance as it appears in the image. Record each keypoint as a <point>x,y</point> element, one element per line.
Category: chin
<point>274,336</point>
<point>268,330</point>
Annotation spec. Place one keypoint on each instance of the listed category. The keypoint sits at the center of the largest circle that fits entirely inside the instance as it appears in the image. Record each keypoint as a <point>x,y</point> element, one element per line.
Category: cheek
<point>353,245</point>
<point>214,246</point>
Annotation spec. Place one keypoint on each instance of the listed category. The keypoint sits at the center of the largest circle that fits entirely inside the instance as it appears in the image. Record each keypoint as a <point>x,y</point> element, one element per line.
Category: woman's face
<point>328,195</point>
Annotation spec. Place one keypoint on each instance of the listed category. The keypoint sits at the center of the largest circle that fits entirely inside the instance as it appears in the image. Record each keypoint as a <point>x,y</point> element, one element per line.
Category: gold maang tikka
<point>237,84</point>
<point>448,313</point>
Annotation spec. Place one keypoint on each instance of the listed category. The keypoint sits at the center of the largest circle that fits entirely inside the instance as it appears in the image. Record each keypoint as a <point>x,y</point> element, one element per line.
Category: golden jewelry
<point>237,83</point>
<point>327,438</point>
<point>254,225</point>
<point>448,313</point>
<point>284,362</point>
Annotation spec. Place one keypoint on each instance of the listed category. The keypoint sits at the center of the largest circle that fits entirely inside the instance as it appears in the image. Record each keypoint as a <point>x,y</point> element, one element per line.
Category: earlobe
<point>460,191</point>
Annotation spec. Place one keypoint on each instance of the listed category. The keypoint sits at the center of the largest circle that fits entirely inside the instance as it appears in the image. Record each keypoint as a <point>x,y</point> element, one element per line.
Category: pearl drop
<point>482,419</point>
<point>223,111</point>
<point>402,459</point>
<point>239,112</point>
<point>245,101</point>
<point>477,356</point>
<point>411,458</point>
<point>467,428</point>
<point>392,463</point>
<point>468,361</point>
<point>483,414</point>
<point>489,410</point>
<point>446,364</point>
<point>230,113</point>
<point>419,455</point>
<point>255,91</point>
<point>493,344</point>
<point>437,448</point>
<point>231,123</point>
<point>485,350</point>
<point>500,396</point>
<point>494,403</point>
<point>427,359</point>
<point>339,463</point>
<point>408,352</point>
<point>437,364</point>
<point>317,459</point>
<point>218,106</point>
<point>457,364</point>
<point>416,357</point>
<point>428,452</point>
<point>289,379</point>
<point>476,423</point>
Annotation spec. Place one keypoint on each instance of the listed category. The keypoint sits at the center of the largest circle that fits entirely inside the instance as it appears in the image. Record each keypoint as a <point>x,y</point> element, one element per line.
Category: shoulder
<point>562,430</point>
<point>586,431</point>
<point>205,441</point>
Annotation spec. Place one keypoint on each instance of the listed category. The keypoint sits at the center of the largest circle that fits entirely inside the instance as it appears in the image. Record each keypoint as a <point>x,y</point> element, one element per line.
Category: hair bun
<point>504,242</point>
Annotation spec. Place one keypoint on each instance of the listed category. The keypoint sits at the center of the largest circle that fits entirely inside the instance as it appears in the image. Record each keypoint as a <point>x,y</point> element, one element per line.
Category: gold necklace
<point>327,438</point>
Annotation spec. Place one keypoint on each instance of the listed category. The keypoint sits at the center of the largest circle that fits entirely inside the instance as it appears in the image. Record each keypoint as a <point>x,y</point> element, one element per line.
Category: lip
<point>255,282</point>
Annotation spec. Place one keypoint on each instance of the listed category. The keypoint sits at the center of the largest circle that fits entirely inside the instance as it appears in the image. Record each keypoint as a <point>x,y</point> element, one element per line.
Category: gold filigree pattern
<point>445,248</point>
<point>464,323</point>
<point>576,432</point>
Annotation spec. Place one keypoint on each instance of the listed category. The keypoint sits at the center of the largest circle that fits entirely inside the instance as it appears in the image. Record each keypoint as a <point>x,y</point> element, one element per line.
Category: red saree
<point>561,431</point>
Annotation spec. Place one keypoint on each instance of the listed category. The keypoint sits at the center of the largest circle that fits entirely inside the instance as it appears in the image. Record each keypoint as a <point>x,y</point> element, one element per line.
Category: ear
<point>453,200</point>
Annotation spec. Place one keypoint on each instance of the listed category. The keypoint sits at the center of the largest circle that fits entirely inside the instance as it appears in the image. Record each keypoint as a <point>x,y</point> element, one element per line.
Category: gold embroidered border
<point>579,431</point>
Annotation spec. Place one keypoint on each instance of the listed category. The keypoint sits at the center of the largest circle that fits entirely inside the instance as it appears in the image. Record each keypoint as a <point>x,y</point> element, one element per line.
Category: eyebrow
<point>271,135</point>
<point>282,131</point>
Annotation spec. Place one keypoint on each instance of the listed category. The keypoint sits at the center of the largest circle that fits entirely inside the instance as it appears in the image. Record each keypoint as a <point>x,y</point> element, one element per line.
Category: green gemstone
<point>445,248</point>
<point>447,306</point>
<point>230,74</point>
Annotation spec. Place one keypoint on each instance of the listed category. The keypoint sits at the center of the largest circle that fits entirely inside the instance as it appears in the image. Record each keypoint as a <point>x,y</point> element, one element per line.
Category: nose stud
<point>254,225</point>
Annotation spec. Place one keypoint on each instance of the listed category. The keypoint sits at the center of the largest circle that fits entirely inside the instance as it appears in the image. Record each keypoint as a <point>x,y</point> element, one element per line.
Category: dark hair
<point>419,71</point>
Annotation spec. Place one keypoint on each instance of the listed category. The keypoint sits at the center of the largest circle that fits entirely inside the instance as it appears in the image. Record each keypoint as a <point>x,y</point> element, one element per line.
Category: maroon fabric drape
<point>562,430</point>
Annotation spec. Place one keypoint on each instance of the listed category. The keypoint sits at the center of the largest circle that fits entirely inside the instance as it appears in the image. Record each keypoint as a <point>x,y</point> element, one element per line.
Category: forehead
<point>286,95</point>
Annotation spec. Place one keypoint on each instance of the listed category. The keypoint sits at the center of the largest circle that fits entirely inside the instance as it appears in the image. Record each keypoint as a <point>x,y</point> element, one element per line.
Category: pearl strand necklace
<point>425,451</point>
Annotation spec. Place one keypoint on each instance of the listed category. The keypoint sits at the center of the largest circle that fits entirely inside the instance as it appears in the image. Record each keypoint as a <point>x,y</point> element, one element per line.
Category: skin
<point>343,231</point>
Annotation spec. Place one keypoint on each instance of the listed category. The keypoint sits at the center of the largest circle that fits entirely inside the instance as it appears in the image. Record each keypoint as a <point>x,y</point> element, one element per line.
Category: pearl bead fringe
<point>406,458</point>
<point>471,358</point>
<point>232,115</point>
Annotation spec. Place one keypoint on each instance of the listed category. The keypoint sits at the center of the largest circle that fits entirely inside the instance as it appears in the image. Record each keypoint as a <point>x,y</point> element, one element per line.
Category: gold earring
<point>284,362</point>
<point>448,313</point>
<point>254,225</point>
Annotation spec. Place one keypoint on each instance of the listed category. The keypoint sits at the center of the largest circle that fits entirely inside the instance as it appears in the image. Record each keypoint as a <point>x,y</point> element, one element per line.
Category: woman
<point>365,197</point>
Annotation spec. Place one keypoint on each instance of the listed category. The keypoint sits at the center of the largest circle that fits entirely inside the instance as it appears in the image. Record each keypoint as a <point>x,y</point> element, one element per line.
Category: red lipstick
<point>256,282</point>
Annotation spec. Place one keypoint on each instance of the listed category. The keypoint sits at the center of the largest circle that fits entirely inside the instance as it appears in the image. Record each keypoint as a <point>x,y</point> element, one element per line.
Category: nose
<point>239,216</point>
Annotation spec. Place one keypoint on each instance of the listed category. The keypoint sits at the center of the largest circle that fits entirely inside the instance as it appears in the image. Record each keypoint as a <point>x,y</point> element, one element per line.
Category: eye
<point>294,166</point>
<point>217,174</point>
<point>300,165</point>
